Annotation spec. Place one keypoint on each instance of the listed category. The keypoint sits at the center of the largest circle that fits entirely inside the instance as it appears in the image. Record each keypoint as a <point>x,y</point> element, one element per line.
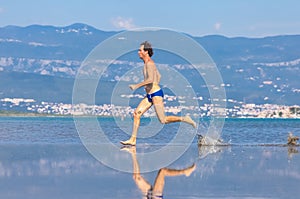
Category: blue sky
<point>248,18</point>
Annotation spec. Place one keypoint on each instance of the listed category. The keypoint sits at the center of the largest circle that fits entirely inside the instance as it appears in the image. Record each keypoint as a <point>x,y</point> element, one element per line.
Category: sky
<point>231,18</point>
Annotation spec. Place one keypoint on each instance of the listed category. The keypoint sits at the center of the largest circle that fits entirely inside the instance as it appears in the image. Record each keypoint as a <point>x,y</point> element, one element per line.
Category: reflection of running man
<point>154,95</point>
<point>155,191</point>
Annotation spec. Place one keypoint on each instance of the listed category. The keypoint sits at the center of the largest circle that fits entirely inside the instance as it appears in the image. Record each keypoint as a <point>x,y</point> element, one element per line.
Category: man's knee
<point>136,176</point>
<point>137,114</point>
<point>163,120</point>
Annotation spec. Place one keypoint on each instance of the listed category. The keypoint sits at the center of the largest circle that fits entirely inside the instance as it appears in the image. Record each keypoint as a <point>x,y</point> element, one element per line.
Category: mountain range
<point>41,62</point>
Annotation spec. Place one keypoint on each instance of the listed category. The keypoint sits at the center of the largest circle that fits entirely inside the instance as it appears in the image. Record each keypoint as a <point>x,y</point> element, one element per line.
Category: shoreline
<point>21,114</point>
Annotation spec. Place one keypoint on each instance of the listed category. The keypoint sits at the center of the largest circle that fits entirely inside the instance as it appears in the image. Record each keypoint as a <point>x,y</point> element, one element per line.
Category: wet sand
<point>69,171</point>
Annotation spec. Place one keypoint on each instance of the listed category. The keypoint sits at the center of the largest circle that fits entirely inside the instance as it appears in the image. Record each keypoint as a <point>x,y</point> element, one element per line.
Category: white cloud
<point>218,26</point>
<point>121,22</point>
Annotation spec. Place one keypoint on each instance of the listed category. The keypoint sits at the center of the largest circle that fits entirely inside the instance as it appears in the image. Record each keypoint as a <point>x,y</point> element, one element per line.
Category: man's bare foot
<point>129,148</point>
<point>128,142</point>
<point>189,120</point>
<point>190,170</point>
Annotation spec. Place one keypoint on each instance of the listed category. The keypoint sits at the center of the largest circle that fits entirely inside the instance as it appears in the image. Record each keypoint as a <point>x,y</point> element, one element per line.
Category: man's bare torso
<point>150,88</point>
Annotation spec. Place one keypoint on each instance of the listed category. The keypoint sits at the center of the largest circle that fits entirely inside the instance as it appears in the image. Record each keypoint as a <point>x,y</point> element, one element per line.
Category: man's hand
<point>132,86</point>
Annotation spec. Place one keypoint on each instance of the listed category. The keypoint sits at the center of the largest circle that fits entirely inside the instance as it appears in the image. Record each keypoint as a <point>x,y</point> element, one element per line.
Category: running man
<point>154,95</point>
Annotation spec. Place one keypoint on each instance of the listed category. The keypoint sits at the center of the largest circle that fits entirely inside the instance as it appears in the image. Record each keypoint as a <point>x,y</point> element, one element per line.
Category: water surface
<point>44,158</point>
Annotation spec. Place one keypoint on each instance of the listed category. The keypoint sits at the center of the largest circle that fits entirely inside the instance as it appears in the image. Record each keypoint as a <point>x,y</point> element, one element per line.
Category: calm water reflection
<point>69,171</point>
<point>154,191</point>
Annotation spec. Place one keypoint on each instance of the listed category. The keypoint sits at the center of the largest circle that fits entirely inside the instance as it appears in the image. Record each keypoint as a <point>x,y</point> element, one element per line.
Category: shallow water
<point>62,130</point>
<point>44,158</point>
<point>69,171</point>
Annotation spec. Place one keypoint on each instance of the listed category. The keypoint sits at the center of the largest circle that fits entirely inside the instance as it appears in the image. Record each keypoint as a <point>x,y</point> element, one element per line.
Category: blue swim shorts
<point>157,93</point>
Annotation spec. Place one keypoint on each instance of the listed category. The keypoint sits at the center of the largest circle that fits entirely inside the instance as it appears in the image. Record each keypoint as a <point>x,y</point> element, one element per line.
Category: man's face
<point>141,52</point>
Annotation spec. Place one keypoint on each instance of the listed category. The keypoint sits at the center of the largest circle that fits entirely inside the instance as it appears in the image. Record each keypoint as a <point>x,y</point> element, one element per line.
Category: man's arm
<point>148,80</point>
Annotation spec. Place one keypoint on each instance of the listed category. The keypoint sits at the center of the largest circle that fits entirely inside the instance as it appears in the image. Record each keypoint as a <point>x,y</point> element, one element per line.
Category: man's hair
<point>148,48</point>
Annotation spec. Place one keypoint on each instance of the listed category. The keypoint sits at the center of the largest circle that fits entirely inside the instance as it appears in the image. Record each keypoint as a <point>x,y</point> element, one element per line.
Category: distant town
<point>241,110</point>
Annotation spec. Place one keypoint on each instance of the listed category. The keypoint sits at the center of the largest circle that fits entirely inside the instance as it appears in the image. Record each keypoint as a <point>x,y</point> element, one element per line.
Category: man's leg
<point>159,183</point>
<point>160,112</point>
<point>140,181</point>
<point>138,112</point>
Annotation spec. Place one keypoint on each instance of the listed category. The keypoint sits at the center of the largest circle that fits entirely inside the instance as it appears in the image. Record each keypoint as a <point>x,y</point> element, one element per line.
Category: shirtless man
<point>154,95</point>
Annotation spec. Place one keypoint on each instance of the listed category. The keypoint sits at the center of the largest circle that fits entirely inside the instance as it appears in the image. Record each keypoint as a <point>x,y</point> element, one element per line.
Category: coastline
<point>25,114</point>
